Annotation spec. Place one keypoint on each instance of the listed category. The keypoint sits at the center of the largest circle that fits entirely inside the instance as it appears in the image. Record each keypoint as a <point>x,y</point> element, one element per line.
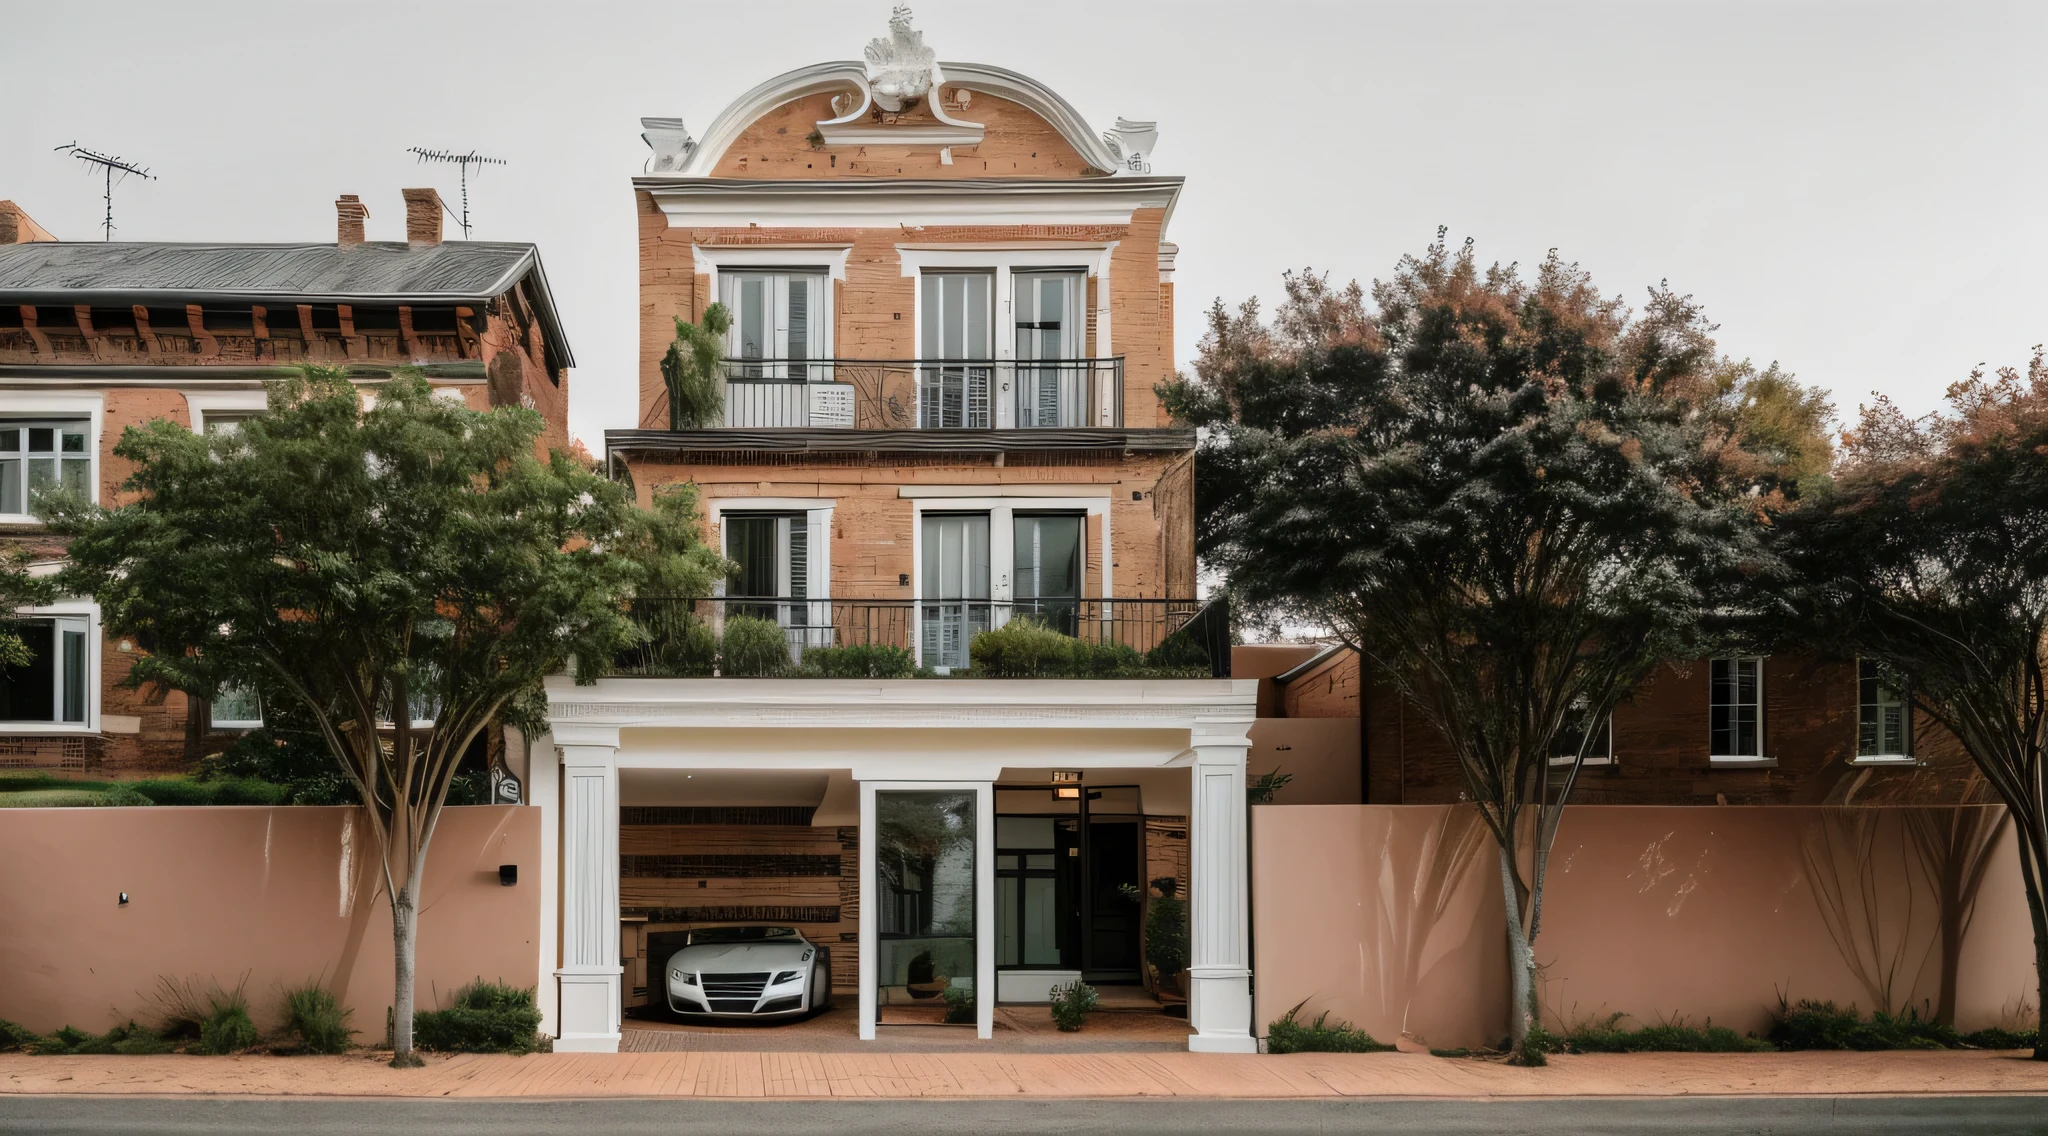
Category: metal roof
<point>73,272</point>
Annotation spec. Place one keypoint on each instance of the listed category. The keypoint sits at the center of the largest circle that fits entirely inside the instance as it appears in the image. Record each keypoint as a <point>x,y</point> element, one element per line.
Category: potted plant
<point>1166,936</point>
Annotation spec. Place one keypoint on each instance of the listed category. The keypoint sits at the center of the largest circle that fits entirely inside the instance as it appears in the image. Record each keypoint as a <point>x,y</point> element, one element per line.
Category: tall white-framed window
<point>1735,709</point>
<point>783,547</point>
<point>781,317</point>
<point>58,690</point>
<point>213,411</point>
<point>955,341</point>
<point>979,560</point>
<point>40,455</point>
<point>1884,719</point>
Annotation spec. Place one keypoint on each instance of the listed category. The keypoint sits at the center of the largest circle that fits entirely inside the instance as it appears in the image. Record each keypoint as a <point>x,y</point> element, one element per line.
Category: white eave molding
<point>854,127</point>
<point>703,202</point>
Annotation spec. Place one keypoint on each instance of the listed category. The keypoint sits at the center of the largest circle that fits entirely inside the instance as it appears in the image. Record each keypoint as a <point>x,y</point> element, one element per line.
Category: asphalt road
<point>1707,1116</point>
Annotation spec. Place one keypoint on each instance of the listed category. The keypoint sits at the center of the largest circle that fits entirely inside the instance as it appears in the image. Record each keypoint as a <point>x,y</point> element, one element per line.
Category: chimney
<point>422,217</point>
<point>18,228</point>
<point>349,214</point>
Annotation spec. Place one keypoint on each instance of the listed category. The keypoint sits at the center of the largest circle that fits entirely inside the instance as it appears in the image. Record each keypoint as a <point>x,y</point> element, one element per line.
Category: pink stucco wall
<point>281,895</point>
<point>1389,916</point>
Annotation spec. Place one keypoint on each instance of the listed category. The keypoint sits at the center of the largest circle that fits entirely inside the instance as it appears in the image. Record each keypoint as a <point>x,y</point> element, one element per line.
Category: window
<point>779,318</point>
<point>957,331</point>
<point>1047,550</point>
<point>1050,391</point>
<point>954,586</point>
<point>38,456</point>
<point>1735,709</point>
<point>1565,747</point>
<point>1883,718</point>
<point>773,551</point>
<point>227,421</point>
<point>236,708</point>
<point>52,687</point>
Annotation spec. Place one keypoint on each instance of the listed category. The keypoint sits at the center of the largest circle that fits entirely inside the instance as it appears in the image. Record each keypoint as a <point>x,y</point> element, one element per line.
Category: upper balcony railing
<point>930,394</point>
<point>782,635</point>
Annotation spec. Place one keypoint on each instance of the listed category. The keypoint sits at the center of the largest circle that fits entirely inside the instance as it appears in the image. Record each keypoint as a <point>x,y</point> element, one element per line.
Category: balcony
<point>923,638</point>
<point>896,394</point>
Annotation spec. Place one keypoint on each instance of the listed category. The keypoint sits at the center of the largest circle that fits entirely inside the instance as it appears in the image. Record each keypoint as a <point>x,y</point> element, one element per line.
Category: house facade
<point>950,299</point>
<point>97,336</point>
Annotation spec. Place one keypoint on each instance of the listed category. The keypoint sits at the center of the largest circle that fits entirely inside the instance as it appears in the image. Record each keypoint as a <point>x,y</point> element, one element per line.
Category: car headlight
<point>685,979</point>
<point>785,977</point>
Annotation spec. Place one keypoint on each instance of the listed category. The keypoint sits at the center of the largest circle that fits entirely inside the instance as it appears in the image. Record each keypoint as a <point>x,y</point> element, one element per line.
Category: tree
<point>20,587</point>
<point>1516,499</point>
<point>692,370</point>
<point>1929,558</point>
<point>406,575</point>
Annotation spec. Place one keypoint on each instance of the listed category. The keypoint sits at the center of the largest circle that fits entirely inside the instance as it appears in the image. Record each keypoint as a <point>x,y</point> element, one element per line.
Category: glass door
<point>1052,390</point>
<point>773,554</point>
<point>925,850</point>
<point>1048,553</point>
<point>778,319</point>
<point>1035,861</point>
<point>953,586</point>
<point>953,343</point>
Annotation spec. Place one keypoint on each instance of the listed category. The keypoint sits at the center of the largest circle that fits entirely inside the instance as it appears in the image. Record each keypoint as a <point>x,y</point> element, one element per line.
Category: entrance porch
<point>940,839</point>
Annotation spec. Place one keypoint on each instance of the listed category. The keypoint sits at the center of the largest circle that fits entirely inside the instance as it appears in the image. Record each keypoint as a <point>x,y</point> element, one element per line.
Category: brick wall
<point>1017,143</point>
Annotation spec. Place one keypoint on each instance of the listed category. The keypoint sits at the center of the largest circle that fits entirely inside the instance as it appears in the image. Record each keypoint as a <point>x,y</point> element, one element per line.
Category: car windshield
<point>740,934</point>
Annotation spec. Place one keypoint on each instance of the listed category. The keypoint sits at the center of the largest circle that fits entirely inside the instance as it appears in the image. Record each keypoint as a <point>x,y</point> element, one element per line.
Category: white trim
<point>914,492</point>
<point>37,404</point>
<point>1760,758</point>
<point>710,259</point>
<point>94,648</point>
<point>801,205</point>
<point>199,403</point>
<point>1002,513</point>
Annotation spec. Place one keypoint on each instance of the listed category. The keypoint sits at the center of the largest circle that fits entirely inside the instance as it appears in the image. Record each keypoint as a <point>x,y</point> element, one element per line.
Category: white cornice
<point>866,204</point>
<point>1208,706</point>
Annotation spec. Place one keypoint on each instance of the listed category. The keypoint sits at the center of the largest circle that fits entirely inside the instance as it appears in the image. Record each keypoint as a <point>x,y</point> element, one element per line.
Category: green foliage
<point>19,589</point>
<point>1535,1048</point>
<point>227,791</point>
<point>413,559</point>
<point>959,1006</point>
<point>1823,1025</point>
<point>129,1039</point>
<point>1166,929</point>
<point>753,647</point>
<point>860,660</point>
<point>1292,1035</point>
<point>1605,1035</point>
<point>1180,651</point>
<point>693,370</point>
<point>226,1027</point>
<point>287,750</point>
<point>320,1023</point>
<point>679,644</point>
<point>486,1017</point>
<point>1026,647</point>
<point>1997,1037</point>
<point>39,790</point>
<point>123,796</point>
<point>1261,791</point>
<point>1071,1004</point>
<point>14,1037</point>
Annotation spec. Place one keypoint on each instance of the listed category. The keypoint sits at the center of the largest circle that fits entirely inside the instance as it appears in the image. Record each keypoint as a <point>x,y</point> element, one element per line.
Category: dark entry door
<point>1115,846</point>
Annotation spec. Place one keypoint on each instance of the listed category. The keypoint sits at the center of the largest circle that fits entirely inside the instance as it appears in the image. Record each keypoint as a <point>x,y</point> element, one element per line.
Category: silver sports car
<point>749,972</point>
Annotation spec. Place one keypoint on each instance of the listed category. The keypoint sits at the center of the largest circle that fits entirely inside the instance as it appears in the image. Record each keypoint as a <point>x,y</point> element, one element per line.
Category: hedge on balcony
<point>1026,648</point>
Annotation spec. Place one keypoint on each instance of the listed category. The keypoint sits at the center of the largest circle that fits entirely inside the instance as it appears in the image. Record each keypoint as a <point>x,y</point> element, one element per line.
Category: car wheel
<point>821,982</point>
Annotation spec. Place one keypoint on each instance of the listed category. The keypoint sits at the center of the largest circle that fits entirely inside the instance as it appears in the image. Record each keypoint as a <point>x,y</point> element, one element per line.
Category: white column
<point>543,790</point>
<point>590,971</point>
<point>1219,890</point>
<point>985,911</point>
<point>870,1003</point>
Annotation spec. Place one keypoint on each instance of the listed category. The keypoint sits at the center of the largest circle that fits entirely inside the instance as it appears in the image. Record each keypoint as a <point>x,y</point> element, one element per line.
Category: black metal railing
<point>690,637</point>
<point>935,394</point>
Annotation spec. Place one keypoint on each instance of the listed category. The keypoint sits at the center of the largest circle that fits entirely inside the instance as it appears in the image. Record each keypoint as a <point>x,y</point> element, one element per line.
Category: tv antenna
<point>463,161</point>
<point>111,165</point>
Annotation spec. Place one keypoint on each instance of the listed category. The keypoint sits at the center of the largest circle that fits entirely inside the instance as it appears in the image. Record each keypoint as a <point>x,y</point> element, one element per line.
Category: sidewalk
<point>1094,1076</point>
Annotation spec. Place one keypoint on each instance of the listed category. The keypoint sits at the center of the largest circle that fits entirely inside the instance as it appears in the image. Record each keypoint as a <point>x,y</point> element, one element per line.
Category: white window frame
<point>777,316</point>
<point>1090,259</point>
<point>220,723</point>
<point>817,513</point>
<point>238,403</point>
<point>37,406</point>
<point>1906,712</point>
<point>73,609</point>
<point>717,263</point>
<point>1762,701</point>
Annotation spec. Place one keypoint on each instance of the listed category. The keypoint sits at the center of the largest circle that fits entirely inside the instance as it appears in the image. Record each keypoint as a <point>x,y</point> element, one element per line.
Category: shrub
<point>1537,1046</point>
<point>679,645</point>
<point>486,1017</point>
<point>1070,1005</point>
<point>1166,929</point>
<point>121,796</point>
<point>1996,1037</point>
<point>1823,1025</point>
<point>1606,1036</point>
<point>227,1027</point>
<point>14,1036</point>
<point>225,791</point>
<point>1292,1035</point>
<point>959,1006</point>
<point>1023,648</point>
<point>859,661</point>
<point>319,1021</point>
<point>128,1040</point>
<point>1180,651</point>
<point>1105,660</point>
<point>753,647</point>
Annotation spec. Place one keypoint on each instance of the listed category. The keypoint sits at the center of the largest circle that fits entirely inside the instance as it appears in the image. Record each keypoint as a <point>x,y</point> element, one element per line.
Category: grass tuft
<point>1292,1035</point>
<point>320,1023</point>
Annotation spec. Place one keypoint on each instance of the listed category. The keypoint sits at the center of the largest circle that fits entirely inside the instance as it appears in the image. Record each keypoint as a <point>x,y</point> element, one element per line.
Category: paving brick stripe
<point>1069,1076</point>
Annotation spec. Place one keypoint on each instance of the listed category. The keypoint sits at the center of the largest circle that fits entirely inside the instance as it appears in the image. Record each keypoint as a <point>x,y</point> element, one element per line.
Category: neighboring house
<point>951,301</point>
<point>1791,729</point>
<point>96,337</point>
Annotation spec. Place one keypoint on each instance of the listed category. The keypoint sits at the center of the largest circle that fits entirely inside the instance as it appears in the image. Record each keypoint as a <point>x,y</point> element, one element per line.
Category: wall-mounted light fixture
<point>124,900</point>
<point>1067,793</point>
<point>508,874</point>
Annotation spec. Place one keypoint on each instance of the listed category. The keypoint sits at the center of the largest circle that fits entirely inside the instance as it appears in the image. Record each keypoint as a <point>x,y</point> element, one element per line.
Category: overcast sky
<point>1853,190</point>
